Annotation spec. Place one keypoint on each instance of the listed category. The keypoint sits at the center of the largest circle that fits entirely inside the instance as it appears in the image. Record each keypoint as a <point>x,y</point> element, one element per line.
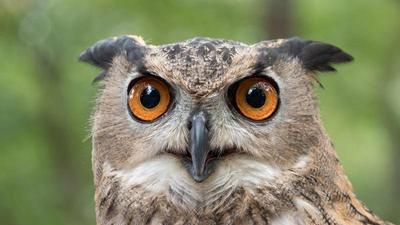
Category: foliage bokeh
<point>46,95</point>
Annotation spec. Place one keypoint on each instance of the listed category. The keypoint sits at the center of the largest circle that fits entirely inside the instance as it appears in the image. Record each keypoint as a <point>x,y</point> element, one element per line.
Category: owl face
<point>206,111</point>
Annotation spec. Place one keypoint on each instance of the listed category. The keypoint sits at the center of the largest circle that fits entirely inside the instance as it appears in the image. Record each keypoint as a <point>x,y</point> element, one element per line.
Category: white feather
<point>165,172</point>
<point>288,218</point>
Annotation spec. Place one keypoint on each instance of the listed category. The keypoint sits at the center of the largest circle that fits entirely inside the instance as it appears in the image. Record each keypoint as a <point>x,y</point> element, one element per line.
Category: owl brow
<point>265,59</point>
<point>261,64</point>
<point>140,68</point>
<point>259,67</point>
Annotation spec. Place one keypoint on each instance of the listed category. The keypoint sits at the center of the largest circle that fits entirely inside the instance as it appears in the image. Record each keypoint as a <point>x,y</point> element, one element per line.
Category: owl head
<point>205,111</point>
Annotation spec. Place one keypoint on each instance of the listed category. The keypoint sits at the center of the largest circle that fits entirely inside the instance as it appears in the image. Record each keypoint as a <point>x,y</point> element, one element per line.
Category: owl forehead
<point>211,51</point>
<point>201,65</point>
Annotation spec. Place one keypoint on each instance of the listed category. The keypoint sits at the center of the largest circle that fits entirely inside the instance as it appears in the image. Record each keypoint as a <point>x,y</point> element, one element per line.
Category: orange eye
<point>256,98</point>
<point>149,98</point>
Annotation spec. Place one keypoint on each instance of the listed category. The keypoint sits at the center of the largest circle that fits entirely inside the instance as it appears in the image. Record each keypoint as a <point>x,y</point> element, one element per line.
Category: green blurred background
<point>46,95</point>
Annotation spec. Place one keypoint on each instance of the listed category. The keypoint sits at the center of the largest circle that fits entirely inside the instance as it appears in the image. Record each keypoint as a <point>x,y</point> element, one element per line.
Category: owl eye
<point>149,98</point>
<point>255,98</point>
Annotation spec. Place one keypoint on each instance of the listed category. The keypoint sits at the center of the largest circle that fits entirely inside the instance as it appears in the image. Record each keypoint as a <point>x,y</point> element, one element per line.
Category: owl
<point>211,131</point>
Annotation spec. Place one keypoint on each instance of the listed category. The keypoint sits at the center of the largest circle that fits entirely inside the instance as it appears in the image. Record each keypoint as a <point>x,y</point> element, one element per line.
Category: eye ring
<point>256,98</point>
<point>148,98</point>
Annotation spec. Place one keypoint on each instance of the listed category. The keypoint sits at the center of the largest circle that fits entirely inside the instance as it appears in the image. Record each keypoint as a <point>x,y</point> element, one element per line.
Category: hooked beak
<point>199,147</point>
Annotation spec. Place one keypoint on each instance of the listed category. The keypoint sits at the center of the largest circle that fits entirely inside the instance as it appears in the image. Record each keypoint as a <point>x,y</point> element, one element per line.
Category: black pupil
<point>255,97</point>
<point>150,97</point>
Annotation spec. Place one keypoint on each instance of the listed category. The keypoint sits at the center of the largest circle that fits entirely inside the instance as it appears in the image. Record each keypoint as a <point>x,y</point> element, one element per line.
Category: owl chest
<point>235,211</point>
<point>235,207</point>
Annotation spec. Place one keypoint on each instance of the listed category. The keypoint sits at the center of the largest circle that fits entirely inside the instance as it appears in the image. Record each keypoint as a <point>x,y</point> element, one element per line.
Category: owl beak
<point>199,146</point>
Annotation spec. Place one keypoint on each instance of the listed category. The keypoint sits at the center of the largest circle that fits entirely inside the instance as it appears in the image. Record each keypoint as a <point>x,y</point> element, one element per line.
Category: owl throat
<point>266,195</point>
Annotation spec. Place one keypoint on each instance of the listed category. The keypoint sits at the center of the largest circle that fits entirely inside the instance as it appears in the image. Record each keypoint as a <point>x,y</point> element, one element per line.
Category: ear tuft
<point>319,56</point>
<point>316,56</point>
<point>102,52</point>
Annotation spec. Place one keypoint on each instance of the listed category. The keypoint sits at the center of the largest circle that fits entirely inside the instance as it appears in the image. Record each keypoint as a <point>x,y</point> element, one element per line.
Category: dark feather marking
<point>263,208</point>
<point>100,77</point>
<point>257,216</point>
<point>318,82</point>
<point>107,202</point>
<point>104,199</point>
<point>365,220</point>
<point>266,58</point>
<point>108,195</point>
<point>311,218</point>
<point>172,50</point>
<point>129,221</point>
<point>151,215</point>
<point>314,198</point>
<point>130,217</point>
<point>231,213</point>
<point>110,211</point>
<point>227,54</point>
